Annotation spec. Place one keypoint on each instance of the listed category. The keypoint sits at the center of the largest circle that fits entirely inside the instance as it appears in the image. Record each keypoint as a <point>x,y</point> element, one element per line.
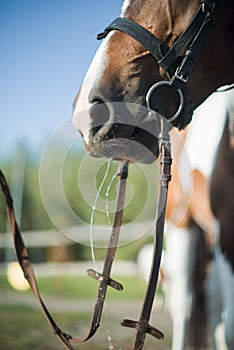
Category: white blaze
<point>81,108</point>
<point>125,6</point>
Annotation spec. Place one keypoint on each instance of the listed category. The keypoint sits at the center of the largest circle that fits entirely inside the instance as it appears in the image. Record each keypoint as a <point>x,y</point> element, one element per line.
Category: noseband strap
<point>177,67</point>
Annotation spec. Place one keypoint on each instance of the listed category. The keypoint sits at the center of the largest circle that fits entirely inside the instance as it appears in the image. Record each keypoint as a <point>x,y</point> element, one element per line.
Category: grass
<point>25,328</point>
<point>86,288</point>
<point>83,287</point>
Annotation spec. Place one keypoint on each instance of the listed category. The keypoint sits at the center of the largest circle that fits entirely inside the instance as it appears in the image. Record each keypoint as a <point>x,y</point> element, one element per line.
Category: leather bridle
<point>103,278</point>
<point>177,67</point>
<point>178,70</point>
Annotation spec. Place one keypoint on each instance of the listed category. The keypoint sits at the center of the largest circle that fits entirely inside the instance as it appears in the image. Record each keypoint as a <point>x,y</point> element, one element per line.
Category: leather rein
<point>142,325</point>
<point>103,278</point>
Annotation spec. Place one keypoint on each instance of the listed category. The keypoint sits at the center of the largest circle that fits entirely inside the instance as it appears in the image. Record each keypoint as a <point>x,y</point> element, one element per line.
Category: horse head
<point>110,109</point>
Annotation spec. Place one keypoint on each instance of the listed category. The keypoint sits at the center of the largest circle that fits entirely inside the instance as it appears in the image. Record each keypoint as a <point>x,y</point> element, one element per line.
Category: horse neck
<point>215,65</point>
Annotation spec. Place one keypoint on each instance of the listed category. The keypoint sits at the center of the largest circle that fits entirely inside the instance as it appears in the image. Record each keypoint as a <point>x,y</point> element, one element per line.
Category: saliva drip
<point>92,216</point>
<point>107,195</point>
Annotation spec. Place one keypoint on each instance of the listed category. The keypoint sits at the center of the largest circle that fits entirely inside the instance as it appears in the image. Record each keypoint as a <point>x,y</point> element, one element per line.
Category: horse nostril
<point>99,113</point>
<point>102,116</point>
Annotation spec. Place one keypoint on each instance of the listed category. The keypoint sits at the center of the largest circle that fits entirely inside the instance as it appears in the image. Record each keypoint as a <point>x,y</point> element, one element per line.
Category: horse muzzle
<point>112,130</point>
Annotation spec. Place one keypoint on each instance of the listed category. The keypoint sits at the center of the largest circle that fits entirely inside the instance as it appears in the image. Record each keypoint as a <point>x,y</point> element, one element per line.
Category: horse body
<point>206,144</point>
<point>110,108</point>
<point>222,202</point>
<point>222,182</point>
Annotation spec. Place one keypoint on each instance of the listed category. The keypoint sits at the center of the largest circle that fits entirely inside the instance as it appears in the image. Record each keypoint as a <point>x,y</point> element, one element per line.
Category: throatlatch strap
<point>104,278</point>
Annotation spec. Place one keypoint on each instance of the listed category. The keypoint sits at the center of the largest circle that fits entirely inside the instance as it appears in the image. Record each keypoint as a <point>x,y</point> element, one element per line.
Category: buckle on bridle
<point>179,76</point>
<point>207,5</point>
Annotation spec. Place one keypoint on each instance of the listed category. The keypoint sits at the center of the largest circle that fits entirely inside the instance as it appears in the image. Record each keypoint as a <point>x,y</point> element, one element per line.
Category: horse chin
<point>131,150</point>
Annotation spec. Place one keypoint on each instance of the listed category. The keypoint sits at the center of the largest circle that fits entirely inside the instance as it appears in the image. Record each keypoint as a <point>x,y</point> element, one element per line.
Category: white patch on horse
<point>82,105</point>
<point>205,132</point>
<point>125,6</point>
<point>178,265</point>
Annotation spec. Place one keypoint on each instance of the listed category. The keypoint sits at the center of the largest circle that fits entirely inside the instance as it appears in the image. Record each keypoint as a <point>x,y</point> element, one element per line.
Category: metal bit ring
<point>154,87</point>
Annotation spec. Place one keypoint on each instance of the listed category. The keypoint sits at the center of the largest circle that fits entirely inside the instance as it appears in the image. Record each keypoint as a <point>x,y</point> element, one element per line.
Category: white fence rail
<point>79,234</point>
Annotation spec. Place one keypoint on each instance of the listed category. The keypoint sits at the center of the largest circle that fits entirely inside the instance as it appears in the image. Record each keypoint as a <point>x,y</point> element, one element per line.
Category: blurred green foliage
<point>80,178</point>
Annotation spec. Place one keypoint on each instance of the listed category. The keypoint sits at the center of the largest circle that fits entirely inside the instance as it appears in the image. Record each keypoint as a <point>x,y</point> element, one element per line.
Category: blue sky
<point>46,47</point>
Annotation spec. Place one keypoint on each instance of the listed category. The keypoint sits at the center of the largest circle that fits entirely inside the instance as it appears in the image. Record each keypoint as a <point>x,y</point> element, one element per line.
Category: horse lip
<point>100,139</point>
<point>122,150</point>
<point>135,147</point>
